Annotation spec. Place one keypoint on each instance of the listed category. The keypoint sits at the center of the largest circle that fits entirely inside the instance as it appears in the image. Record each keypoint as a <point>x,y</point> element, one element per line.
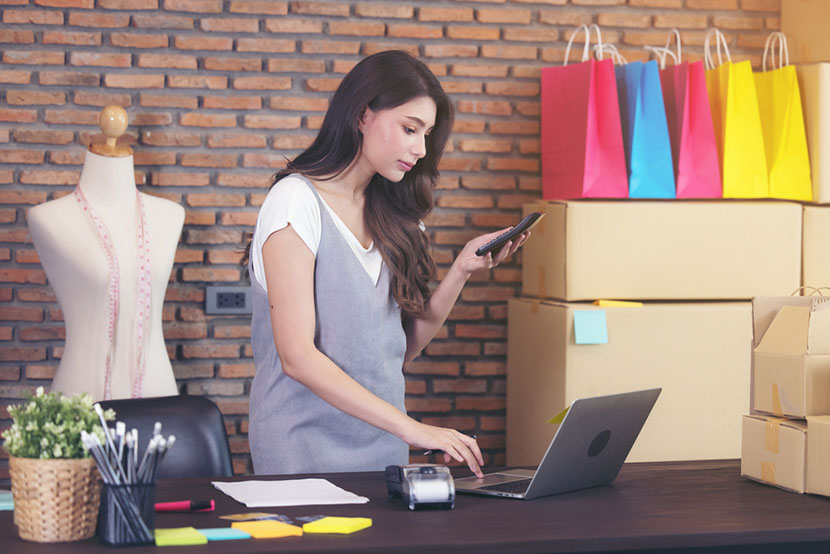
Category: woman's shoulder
<point>292,190</point>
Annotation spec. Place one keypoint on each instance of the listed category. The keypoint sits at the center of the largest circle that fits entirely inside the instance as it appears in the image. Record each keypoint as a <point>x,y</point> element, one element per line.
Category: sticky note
<point>560,417</point>
<point>224,534</point>
<point>343,525</point>
<point>252,516</point>
<point>268,529</point>
<point>179,536</point>
<point>6,500</point>
<point>617,304</point>
<point>590,327</point>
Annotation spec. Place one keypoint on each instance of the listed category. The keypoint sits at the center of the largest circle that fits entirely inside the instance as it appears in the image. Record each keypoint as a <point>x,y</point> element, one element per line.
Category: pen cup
<point>127,514</point>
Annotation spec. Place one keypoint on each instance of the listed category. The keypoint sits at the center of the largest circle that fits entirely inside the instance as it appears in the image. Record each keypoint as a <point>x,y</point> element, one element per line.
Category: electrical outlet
<point>228,300</point>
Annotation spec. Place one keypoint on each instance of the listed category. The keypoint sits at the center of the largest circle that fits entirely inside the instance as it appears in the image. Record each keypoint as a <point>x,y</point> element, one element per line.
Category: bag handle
<point>707,50</point>
<point>586,49</point>
<point>674,33</point>
<point>783,51</point>
<point>814,291</point>
<point>661,53</point>
<point>612,51</point>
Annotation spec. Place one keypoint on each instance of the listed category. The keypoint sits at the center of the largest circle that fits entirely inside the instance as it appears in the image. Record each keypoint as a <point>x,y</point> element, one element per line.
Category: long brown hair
<point>392,211</point>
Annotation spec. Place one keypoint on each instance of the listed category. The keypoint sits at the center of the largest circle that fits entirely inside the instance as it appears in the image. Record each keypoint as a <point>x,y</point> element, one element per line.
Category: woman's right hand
<point>454,444</point>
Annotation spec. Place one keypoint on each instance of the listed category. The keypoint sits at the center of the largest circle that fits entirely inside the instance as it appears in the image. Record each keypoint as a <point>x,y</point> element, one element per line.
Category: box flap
<point>765,308</point>
<point>818,337</point>
<point>787,334</point>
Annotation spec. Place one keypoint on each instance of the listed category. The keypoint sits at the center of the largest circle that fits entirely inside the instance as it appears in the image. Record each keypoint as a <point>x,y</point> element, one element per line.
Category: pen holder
<point>127,514</point>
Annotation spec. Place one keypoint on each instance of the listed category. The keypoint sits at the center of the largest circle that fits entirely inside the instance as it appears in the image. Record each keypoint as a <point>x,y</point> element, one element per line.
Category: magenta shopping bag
<point>582,146</point>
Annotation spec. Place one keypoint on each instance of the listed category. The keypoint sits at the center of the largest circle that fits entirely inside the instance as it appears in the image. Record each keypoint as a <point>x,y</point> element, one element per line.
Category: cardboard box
<point>818,455</point>
<point>814,85</point>
<point>698,352</point>
<point>805,24</point>
<point>791,365</point>
<point>774,451</point>
<point>816,247</point>
<point>585,250</point>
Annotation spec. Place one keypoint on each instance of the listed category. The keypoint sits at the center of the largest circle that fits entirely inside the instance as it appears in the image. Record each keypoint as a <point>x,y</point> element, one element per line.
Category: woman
<point>340,269</point>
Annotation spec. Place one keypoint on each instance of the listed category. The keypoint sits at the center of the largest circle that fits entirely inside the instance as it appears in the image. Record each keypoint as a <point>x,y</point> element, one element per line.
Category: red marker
<point>186,506</point>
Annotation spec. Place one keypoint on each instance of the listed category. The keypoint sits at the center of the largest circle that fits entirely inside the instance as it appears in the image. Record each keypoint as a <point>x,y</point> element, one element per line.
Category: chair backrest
<point>201,448</point>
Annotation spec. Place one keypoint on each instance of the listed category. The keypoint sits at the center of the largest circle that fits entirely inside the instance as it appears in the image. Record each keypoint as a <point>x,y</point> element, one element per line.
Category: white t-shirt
<point>290,200</point>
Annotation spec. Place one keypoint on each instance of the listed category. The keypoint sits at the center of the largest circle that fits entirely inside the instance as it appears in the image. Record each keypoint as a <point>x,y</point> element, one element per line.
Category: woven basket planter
<point>55,500</point>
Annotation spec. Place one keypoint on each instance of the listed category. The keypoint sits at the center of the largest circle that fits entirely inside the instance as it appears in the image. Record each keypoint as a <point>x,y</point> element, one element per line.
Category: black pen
<point>430,451</point>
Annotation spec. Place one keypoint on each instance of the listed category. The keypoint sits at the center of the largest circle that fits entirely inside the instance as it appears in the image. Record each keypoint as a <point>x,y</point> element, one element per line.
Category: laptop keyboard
<point>515,487</point>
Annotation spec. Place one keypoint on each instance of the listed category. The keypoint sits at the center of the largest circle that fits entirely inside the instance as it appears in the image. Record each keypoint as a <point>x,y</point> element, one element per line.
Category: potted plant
<point>55,482</point>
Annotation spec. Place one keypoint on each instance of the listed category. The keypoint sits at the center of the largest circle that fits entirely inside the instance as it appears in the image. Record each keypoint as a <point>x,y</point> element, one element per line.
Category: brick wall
<point>220,92</point>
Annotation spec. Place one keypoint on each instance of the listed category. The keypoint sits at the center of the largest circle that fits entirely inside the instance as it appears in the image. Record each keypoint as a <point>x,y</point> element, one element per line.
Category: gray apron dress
<point>359,327</point>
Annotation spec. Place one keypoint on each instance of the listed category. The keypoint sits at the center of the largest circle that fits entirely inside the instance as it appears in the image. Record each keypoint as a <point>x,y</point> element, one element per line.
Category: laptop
<point>588,449</point>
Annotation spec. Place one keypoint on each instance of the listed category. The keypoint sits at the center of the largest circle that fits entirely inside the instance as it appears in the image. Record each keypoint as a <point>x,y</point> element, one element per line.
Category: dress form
<point>75,261</point>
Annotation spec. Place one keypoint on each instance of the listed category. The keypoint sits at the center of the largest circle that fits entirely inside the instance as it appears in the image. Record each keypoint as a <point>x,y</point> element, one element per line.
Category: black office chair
<point>201,447</point>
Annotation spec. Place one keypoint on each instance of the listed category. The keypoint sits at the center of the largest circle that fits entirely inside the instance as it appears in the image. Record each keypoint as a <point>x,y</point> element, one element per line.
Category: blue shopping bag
<point>645,131</point>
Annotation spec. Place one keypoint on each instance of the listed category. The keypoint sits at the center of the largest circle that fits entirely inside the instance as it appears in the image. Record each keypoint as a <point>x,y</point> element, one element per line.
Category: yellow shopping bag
<point>737,123</point>
<point>785,141</point>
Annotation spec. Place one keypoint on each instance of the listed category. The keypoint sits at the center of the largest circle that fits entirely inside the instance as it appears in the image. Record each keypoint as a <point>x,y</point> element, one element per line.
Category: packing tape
<point>776,400</point>
<point>772,430</point>
<point>543,289</point>
<point>768,472</point>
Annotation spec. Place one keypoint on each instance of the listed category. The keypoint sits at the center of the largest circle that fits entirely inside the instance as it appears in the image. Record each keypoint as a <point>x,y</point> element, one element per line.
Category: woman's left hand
<point>468,261</point>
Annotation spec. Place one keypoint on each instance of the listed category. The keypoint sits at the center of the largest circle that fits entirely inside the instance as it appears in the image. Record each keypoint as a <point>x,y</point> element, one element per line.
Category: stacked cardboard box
<point>787,441</point>
<point>696,265</point>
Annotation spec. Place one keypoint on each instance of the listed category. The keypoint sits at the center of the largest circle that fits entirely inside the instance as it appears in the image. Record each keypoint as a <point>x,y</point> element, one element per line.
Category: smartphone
<point>524,225</point>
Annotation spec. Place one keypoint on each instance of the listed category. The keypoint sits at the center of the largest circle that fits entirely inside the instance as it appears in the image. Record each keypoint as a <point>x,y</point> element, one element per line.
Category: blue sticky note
<point>6,500</point>
<point>590,327</point>
<point>224,534</point>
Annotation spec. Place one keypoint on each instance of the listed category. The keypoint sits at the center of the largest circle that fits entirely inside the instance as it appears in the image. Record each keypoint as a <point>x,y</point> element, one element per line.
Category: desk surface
<point>670,505</point>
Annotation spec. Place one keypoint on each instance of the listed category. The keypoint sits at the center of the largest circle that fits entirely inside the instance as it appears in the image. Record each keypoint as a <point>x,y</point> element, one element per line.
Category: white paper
<point>293,492</point>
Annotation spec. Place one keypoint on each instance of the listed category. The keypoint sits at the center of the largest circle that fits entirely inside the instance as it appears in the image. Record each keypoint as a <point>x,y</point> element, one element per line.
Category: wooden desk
<point>670,506</point>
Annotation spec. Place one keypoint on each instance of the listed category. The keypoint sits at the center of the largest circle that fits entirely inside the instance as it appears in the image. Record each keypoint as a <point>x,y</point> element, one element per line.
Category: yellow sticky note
<point>617,304</point>
<point>558,418</point>
<point>179,536</point>
<point>343,525</point>
<point>268,529</point>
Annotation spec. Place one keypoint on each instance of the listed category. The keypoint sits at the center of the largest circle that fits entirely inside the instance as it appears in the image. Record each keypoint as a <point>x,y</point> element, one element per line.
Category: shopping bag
<point>814,83</point>
<point>581,140</point>
<point>648,153</point>
<point>785,141</point>
<point>737,123</point>
<point>689,119</point>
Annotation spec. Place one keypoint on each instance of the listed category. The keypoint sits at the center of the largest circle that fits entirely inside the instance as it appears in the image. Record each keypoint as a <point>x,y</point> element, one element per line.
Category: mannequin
<point>114,342</point>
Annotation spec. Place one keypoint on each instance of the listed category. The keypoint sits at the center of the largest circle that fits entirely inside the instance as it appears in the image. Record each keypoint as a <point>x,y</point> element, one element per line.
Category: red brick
<point>128,4</point>
<point>458,164</point>
<point>209,160</point>
<point>262,83</point>
<point>296,66</point>
<point>494,107</point>
<point>199,218</point>
<point>184,256</point>
<point>274,161</point>
<point>183,293</point>
<point>268,7</point>
<point>384,10</point>
<point>167,61</point>
<point>480,331</point>
<point>15,77</point>
<point>210,275</point>
<point>66,158</point>
<point>291,142</point>
<point>49,177</point>
<point>10,373</point>
<point>40,371</point>
<point>236,140</point>
<point>232,218</point>
<point>26,256</point>
<point>428,404</point>
<point>197,6</point>
<point>737,22</point>
<point>182,330</point>
<point>145,80</point>
<point>22,354</point>
<point>476,32</point>
<point>33,57</point>
<point>83,4</point>
<point>111,21</point>
<point>230,407</point>
<point>488,182</point>
<point>204,349</point>
<point>193,370</point>
<point>453,348</point>
<point>29,98</point>
<point>199,119</point>
<point>513,164</point>
<point>329,47</point>
<point>33,17</point>
<point>362,29</point>
<point>445,14</point>
<point>136,40</point>
<point>7,215</point>
<point>529,34</point>
<point>232,332</point>
<point>292,25</point>
<point>184,42</point>
<point>18,116</point>
<point>480,294</point>
<point>485,145</point>
<point>468,126</point>
<point>166,21</point>
<point>320,8</point>
<point>70,78</point>
<point>488,404</point>
<point>168,101</point>
<point>271,122</point>
<point>450,51</point>
<point>459,386</point>
<point>80,38</point>
<point>20,314</point>
<point>233,371</point>
<point>508,52</point>
<point>213,236</point>
<point>233,64</point>
<point>273,45</point>
<point>22,156</point>
<point>247,180</point>
<point>230,25</point>
<point>21,197</point>
<point>300,103</point>
<point>212,82</point>
<point>161,138</point>
<point>500,15</point>
<point>42,333</point>
<point>154,158</point>
<point>89,98</point>
<point>462,87</point>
